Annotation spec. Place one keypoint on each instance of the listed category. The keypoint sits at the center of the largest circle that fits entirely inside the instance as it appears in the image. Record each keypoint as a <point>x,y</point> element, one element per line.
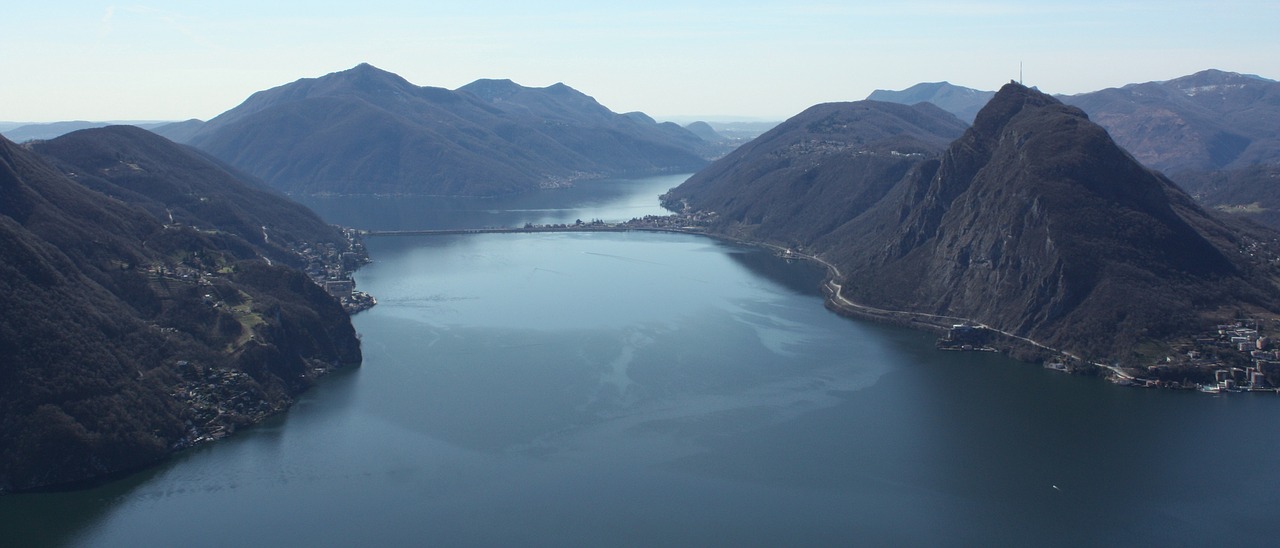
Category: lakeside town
<point>1233,357</point>
<point>331,269</point>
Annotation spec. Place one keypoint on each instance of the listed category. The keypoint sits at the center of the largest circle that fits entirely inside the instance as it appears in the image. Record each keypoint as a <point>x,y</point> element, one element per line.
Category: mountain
<point>1252,192</point>
<point>30,132</point>
<point>1033,222</point>
<point>704,131</point>
<point>811,173</point>
<point>127,335</point>
<point>958,100</point>
<point>1210,120</point>
<point>1212,132</point>
<point>1207,121</point>
<point>368,131</point>
<point>184,186</point>
<point>179,132</point>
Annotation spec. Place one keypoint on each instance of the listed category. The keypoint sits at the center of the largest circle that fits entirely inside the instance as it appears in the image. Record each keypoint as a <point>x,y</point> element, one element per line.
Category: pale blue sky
<point>769,59</point>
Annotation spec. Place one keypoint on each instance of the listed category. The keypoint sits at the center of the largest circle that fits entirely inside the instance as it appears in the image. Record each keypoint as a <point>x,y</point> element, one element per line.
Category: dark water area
<point>660,389</point>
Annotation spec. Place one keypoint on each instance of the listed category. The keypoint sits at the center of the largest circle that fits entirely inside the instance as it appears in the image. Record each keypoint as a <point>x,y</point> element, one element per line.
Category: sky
<point>715,60</point>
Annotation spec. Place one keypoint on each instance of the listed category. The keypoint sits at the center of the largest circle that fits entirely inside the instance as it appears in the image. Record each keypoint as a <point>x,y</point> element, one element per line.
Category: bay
<point>661,389</point>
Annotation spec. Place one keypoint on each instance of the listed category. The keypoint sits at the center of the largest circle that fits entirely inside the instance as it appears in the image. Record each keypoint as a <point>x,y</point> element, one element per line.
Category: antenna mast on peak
<point>1019,73</point>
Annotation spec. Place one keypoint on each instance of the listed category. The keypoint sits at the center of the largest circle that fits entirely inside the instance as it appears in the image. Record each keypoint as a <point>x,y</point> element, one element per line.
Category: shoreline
<point>1012,345</point>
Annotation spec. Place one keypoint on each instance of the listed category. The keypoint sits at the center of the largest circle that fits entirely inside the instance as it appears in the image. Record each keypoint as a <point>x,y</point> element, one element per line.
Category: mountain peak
<point>1216,77</point>
<point>367,78</point>
<point>492,89</point>
<point>561,87</point>
<point>961,101</point>
<point>365,130</point>
<point>1012,99</point>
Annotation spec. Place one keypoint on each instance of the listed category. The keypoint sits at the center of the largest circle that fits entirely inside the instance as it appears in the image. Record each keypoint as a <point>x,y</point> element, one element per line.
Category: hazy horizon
<point>767,60</point>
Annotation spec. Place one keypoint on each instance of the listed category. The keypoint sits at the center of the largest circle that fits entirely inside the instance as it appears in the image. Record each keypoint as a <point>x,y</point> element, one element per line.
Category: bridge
<point>534,229</point>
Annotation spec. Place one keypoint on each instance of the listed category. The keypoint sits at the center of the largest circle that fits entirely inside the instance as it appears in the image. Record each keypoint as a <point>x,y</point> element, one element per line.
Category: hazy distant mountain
<point>126,334</point>
<point>958,100</point>
<point>704,131</point>
<point>368,131</point>
<point>179,132</point>
<point>741,130</point>
<point>1034,221</point>
<point>27,132</point>
<point>1206,121</point>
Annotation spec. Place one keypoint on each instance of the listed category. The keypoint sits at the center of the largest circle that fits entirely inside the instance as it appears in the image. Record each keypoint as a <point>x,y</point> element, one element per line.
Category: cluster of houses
<point>689,221</point>
<point>1238,355</point>
<point>684,222</point>
<point>331,267</point>
<point>219,400</point>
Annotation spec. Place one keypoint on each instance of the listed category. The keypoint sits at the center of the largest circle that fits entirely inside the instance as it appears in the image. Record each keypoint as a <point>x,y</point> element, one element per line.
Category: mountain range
<point>1210,120</point>
<point>148,304</point>
<point>20,133</point>
<point>368,131</point>
<point>818,169</point>
<point>152,298</point>
<point>1033,221</point>
<point>1216,133</point>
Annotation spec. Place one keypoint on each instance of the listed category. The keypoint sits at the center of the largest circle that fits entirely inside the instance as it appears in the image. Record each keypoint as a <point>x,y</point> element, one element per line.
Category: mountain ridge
<point>1034,222</point>
<point>961,101</point>
<point>129,335</point>
<point>846,155</point>
<point>1209,120</point>
<point>369,131</point>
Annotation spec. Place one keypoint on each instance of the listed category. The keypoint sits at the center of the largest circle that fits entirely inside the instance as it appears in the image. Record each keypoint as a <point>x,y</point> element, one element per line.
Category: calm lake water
<point>649,389</point>
<point>610,200</point>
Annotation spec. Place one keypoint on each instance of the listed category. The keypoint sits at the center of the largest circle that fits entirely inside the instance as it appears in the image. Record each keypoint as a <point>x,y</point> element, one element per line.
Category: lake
<point>598,389</point>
